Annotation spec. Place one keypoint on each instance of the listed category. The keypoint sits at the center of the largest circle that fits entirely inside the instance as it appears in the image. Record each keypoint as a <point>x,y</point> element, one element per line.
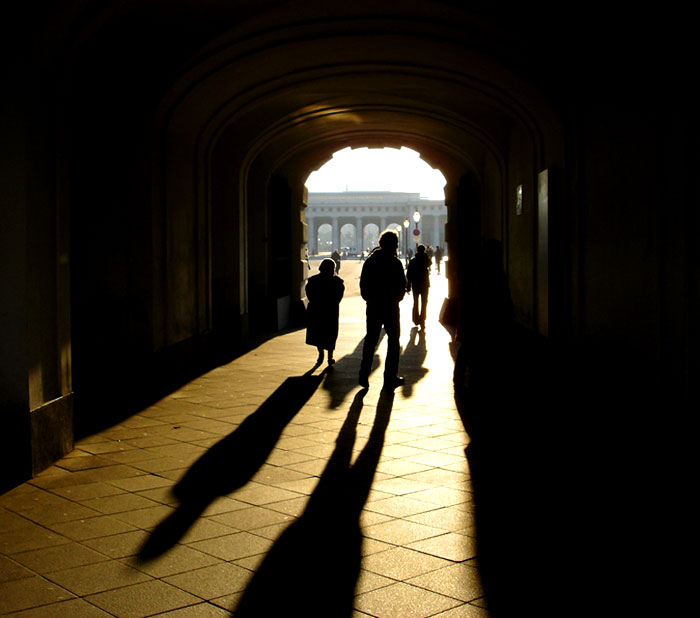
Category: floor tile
<point>459,581</point>
<point>11,571</point>
<point>119,545</point>
<point>233,546</point>
<point>465,611</point>
<point>141,483</point>
<point>401,532</point>
<point>59,557</point>
<point>91,578</point>
<point>212,582</point>
<point>401,563</point>
<point>445,518</point>
<point>205,528</point>
<point>119,503</point>
<point>451,546</point>
<point>29,592</point>
<point>258,494</point>
<point>75,608</point>
<point>400,506</point>
<point>251,518</point>
<point>403,601</point>
<point>201,610</point>
<point>144,599</point>
<point>177,559</point>
<point>94,527</point>
<point>89,491</point>
<point>28,537</point>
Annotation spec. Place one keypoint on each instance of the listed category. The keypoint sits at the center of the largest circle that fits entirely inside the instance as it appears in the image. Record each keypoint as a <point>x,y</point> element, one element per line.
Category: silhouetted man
<point>383,285</point>
<point>418,276</point>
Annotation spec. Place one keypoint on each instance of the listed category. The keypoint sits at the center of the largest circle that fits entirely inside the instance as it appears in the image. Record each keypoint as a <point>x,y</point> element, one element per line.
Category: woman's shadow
<point>231,462</point>
<point>313,567</point>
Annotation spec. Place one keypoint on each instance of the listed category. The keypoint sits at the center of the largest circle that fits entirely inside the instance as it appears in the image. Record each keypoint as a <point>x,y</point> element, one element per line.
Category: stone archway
<point>324,239</point>
<point>370,236</point>
<point>348,237</point>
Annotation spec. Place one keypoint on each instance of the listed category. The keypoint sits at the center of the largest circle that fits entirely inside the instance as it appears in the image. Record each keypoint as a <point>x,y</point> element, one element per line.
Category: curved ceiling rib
<point>299,74</point>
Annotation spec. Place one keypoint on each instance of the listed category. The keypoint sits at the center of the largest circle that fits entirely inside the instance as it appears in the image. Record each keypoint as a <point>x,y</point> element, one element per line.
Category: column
<point>359,236</point>
<point>336,234</point>
<point>311,235</point>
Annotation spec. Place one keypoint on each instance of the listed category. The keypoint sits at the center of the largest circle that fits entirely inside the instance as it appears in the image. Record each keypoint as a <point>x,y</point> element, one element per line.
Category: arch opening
<point>378,169</point>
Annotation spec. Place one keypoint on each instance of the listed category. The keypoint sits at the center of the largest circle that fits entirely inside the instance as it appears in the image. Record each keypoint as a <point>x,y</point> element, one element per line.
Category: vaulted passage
<point>233,139</point>
<point>157,220</point>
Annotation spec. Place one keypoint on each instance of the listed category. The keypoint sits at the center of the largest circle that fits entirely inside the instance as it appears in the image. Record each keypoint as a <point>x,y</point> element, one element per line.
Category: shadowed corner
<point>313,567</point>
<point>520,457</point>
<point>231,462</point>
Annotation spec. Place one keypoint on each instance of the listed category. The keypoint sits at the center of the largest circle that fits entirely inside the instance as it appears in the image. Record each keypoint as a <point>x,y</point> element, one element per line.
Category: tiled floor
<point>261,486</point>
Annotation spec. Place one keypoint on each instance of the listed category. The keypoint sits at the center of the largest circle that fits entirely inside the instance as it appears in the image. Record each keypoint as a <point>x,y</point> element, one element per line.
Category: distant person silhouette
<point>418,279</point>
<point>383,285</point>
<point>324,292</point>
<point>335,256</point>
<point>438,258</point>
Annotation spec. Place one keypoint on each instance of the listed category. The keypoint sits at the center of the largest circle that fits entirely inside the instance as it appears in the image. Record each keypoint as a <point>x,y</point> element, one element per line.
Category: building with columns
<point>360,216</point>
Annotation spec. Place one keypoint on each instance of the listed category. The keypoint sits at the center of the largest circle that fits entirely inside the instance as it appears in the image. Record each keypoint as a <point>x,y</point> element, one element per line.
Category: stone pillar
<point>312,240</point>
<point>336,234</point>
<point>382,225</point>
<point>359,236</point>
<point>436,230</point>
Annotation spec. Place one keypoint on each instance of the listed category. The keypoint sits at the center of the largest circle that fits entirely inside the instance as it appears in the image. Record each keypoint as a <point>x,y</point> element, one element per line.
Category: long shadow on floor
<point>342,380</point>
<point>412,359</point>
<point>231,462</point>
<point>313,567</point>
<point>520,457</point>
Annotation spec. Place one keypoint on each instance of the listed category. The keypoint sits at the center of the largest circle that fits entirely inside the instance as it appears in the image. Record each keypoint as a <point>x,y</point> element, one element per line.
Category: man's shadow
<point>412,360</point>
<point>231,462</point>
<point>313,567</point>
<point>342,380</point>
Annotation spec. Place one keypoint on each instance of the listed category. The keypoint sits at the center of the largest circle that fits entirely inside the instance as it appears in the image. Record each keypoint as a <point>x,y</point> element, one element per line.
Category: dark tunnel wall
<point>169,123</point>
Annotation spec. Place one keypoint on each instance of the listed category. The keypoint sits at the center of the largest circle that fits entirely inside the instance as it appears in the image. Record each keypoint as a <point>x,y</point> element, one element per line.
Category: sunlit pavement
<point>102,533</point>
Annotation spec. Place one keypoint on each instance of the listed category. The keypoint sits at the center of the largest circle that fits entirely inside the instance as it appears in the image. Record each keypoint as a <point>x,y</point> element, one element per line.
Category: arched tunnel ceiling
<point>289,83</point>
<point>291,97</point>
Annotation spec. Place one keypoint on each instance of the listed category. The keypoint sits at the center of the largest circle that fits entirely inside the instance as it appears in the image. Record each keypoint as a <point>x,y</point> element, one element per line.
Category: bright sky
<point>378,169</point>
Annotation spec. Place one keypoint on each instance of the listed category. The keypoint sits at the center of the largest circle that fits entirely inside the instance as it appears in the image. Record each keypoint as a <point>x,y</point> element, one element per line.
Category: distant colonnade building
<point>334,219</point>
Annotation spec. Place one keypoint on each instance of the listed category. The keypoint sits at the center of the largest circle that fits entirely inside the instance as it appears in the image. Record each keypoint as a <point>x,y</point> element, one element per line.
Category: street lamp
<point>416,233</point>
<point>405,238</point>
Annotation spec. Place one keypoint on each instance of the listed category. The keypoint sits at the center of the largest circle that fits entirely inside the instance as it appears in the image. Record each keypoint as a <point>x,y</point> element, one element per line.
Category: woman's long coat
<point>324,294</point>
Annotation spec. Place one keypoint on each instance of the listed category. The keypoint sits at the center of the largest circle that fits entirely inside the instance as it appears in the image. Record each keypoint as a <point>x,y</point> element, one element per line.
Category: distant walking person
<point>324,292</point>
<point>438,257</point>
<point>418,278</point>
<point>335,256</point>
<point>383,285</point>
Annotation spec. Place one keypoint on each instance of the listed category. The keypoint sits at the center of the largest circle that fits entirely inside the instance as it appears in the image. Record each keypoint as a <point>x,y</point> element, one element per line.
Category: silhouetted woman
<point>324,292</point>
